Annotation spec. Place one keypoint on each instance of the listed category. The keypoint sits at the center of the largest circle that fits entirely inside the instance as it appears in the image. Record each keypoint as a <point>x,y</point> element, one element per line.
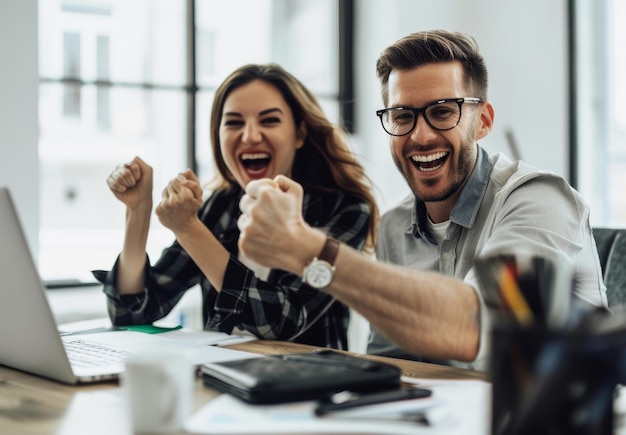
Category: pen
<point>342,401</point>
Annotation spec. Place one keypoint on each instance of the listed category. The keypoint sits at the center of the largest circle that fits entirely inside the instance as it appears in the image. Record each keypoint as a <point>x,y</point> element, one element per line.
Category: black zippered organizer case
<point>299,376</point>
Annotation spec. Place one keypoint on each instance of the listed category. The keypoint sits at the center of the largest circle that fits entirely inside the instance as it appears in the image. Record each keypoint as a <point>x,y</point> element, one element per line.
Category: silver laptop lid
<point>29,338</point>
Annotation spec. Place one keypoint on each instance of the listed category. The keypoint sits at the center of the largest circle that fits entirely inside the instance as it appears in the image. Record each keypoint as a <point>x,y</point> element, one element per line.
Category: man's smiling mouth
<point>431,162</point>
<point>255,162</point>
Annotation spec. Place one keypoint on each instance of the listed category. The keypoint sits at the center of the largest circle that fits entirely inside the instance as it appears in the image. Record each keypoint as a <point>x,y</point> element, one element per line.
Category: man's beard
<point>459,172</point>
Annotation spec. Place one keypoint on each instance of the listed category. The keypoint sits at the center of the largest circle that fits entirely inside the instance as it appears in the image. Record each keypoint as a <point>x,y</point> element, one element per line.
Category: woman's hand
<point>180,202</point>
<point>131,183</point>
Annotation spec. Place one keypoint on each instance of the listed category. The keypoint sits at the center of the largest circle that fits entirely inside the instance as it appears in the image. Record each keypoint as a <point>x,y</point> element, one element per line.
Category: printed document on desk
<point>208,337</point>
<point>459,407</point>
<point>173,333</point>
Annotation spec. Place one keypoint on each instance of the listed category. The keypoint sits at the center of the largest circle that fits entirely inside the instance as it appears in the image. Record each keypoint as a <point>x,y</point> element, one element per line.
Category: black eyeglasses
<point>441,115</point>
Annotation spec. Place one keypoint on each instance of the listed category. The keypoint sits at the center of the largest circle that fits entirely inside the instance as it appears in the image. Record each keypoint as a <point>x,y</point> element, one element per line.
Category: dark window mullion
<point>192,86</point>
<point>346,64</point>
<point>573,93</point>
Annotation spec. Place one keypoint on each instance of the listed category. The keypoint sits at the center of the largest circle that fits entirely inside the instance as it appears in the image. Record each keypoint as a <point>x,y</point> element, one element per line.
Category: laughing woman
<point>264,122</point>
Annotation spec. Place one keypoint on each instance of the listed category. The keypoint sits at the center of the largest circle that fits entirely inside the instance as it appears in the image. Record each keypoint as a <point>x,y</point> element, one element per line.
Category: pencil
<point>514,298</point>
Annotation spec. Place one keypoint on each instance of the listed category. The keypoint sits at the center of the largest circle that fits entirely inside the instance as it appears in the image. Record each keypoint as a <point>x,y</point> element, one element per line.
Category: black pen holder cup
<point>551,382</point>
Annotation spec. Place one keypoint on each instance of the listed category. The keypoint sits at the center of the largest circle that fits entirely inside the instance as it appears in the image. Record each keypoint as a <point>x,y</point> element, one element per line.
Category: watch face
<point>319,274</point>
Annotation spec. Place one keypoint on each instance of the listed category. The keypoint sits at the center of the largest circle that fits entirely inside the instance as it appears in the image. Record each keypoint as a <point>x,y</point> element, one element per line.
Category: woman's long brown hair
<point>324,162</point>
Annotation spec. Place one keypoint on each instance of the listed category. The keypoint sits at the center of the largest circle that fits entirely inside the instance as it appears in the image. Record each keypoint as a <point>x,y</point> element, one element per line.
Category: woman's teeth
<point>255,161</point>
<point>254,156</point>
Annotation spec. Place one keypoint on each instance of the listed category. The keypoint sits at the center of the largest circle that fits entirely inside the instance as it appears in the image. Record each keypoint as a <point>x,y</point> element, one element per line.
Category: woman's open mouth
<point>431,162</point>
<point>255,163</point>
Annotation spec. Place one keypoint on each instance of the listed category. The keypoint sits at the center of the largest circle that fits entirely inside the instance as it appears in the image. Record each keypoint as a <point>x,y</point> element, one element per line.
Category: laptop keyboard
<point>85,354</point>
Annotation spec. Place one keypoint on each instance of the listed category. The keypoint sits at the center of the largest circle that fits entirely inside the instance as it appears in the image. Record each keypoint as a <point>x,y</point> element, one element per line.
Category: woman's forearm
<point>130,278</point>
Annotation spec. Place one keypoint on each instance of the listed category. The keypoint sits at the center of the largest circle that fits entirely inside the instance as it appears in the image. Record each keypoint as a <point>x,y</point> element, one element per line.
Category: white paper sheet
<point>207,337</point>
<point>462,407</point>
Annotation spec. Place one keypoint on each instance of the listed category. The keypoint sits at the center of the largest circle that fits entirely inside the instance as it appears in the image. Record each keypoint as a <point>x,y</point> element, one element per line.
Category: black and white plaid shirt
<point>279,308</point>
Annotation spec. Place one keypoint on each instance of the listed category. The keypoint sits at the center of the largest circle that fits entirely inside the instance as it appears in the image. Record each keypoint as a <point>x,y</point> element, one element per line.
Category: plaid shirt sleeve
<point>161,291</point>
<point>281,307</point>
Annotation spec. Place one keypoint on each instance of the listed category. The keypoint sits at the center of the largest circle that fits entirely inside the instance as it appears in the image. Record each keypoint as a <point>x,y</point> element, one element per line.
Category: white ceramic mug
<point>159,390</point>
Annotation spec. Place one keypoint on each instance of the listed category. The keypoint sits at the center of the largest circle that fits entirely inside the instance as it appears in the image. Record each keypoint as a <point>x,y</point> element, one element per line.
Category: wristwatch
<point>319,272</point>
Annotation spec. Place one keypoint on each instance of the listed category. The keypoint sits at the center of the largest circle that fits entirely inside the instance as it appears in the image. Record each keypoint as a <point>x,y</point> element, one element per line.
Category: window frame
<point>591,142</point>
<point>191,87</point>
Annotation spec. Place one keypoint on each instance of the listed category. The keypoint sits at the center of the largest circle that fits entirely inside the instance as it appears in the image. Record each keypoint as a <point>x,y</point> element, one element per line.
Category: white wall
<point>524,45</point>
<point>18,109</point>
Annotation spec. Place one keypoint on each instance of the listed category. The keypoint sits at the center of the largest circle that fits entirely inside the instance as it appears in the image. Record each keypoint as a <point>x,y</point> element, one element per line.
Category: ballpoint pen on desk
<point>346,400</point>
<point>412,405</point>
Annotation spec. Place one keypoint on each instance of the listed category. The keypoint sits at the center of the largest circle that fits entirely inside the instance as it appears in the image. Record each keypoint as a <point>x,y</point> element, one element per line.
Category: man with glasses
<point>423,296</point>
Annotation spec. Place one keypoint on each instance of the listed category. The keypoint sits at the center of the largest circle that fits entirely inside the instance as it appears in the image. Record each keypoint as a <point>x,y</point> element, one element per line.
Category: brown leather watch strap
<point>330,251</point>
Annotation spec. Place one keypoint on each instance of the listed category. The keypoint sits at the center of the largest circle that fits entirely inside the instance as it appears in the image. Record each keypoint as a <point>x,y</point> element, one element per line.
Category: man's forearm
<point>424,312</point>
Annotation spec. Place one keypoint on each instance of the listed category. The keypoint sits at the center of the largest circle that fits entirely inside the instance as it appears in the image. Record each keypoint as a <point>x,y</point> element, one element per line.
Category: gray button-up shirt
<point>505,206</point>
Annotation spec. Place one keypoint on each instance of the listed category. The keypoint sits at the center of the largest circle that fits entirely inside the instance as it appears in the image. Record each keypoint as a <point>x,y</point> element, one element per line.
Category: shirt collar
<point>467,205</point>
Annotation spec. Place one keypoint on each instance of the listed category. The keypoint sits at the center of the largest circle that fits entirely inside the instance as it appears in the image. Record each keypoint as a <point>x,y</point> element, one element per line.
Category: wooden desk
<point>33,405</point>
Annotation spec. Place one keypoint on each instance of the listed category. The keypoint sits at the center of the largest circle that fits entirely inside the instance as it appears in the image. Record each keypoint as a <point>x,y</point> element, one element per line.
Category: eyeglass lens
<point>440,116</point>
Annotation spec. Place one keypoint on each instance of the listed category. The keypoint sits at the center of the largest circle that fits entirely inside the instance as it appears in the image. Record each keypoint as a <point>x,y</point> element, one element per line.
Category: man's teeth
<point>429,158</point>
<point>434,168</point>
<point>430,162</point>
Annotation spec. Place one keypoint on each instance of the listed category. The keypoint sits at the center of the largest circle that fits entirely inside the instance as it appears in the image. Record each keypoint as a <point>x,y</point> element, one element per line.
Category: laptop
<point>29,337</point>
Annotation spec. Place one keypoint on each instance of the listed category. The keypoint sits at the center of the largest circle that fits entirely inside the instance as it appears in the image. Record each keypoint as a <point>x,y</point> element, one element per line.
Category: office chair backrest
<point>611,243</point>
